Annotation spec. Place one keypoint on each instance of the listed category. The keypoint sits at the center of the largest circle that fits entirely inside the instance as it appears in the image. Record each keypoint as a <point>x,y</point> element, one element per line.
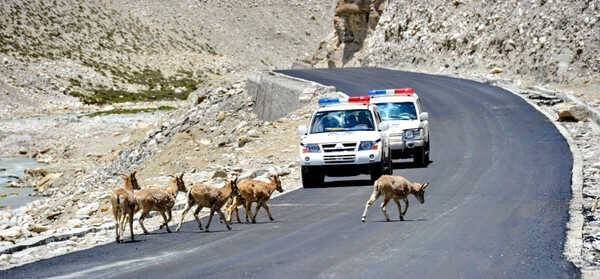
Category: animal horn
<point>424,185</point>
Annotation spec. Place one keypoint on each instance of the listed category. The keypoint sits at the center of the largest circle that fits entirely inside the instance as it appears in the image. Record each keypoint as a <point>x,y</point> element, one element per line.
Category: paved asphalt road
<point>496,208</point>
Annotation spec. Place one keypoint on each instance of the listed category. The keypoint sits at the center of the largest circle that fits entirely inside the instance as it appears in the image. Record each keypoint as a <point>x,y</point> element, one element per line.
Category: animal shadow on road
<point>410,165</point>
<point>398,220</point>
<point>346,183</point>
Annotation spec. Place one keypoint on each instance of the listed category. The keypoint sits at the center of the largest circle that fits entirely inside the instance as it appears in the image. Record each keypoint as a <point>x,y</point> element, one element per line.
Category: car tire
<point>312,177</point>
<point>376,171</point>
<point>421,158</point>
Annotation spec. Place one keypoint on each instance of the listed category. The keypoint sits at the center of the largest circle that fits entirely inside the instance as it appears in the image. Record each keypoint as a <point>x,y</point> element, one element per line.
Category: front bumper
<point>399,144</point>
<point>340,158</point>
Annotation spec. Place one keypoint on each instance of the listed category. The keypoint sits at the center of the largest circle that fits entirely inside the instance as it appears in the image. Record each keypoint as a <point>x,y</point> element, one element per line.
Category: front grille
<point>336,159</point>
<point>334,147</point>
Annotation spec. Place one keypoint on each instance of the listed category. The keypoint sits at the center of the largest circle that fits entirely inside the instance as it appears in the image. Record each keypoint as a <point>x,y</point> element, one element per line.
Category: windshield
<point>342,120</point>
<point>397,111</point>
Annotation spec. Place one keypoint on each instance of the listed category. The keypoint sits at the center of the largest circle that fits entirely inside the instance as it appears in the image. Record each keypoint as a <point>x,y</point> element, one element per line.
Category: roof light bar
<point>360,99</point>
<point>328,101</point>
<point>408,91</point>
<point>377,92</point>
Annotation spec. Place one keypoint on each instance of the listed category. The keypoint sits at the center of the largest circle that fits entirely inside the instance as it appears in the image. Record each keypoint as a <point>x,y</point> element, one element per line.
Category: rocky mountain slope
<point>54,54</point>
<point>538,41</point>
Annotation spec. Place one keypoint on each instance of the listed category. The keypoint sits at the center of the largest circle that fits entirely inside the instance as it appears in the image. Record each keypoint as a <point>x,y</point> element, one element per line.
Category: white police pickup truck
<point>407,126</point>
<point>345,138</point>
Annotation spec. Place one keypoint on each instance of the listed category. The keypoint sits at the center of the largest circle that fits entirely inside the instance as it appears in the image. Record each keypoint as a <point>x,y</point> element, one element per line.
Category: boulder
<point>11,234</point>
<point>47,181</point>
<point>571,112</point>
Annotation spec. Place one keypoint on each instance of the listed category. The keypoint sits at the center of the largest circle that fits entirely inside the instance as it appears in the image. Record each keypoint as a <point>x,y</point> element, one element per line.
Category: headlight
<point>367,145</point>
<point>310,148</point>
<point>413,134</point>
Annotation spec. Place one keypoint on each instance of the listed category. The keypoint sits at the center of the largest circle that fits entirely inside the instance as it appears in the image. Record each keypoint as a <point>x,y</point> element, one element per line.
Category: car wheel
<point>420,157</point>
<point>390,166</point>
<point>311,177</point>
<point>376,171</point>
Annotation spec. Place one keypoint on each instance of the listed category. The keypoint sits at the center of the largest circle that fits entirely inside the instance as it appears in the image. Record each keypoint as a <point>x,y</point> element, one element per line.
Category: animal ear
<point>424,185</point>
<point>181,175</point>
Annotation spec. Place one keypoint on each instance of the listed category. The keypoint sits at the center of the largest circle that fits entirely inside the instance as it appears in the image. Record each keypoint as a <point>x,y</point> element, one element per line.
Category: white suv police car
<point>407,124</point>
<point>344,139</point>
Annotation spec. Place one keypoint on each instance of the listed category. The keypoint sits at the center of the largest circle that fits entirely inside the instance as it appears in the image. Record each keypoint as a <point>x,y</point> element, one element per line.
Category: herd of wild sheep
<point>130,198</point>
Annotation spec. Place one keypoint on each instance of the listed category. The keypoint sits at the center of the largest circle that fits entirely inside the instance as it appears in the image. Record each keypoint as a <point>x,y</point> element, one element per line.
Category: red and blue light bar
<point>408,91</point>
<point>334,101</point>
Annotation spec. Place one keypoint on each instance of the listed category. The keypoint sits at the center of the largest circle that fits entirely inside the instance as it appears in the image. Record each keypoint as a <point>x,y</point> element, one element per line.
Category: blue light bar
<point>377,92</point>
<point>328,101</point>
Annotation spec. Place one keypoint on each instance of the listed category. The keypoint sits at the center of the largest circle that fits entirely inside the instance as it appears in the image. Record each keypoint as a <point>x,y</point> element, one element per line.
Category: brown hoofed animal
<point>159,199</point>
<point>211,197</point>
<point>255,191</point>
<point>395,187</point>
<point>123,205</point>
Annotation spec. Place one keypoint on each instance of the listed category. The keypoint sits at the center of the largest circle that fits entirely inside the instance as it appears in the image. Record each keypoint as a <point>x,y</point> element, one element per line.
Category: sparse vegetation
<point>129,111</point>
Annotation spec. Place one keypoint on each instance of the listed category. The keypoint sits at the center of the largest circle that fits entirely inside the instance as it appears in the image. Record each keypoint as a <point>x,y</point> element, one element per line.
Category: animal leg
<point>248,207</point>
<point>223,218</point>
<point>117,219</point>
<point>405,205</point>
<point>130,219</point>
<point>231,208</point>
<point>212,212</point>
<point>185,211</point>
<point>383,205</point>
<point>141,221</point>
<point>166,219</point>
<point>198,209</point>
<point>399,210</point>
<point>258,205</point>
<point>168,212</point>
<point>370,202</point>
<point>266,207</point>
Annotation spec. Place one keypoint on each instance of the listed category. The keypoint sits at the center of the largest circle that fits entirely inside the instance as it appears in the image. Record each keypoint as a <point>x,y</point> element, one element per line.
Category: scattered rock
<point>242,141</point>
<point>11,234</point>
<point>36,172</point>
<point>38,228</point>
<point>571,112</point>
<point>495,71</point>
<point>219,174</point>
<point>47,181</point>
<point>221,116</point>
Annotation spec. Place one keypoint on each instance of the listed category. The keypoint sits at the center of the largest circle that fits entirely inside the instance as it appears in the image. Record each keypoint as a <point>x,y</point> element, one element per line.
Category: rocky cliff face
<point>354,21</point>
<point>549,41</point>
<point>546,41</point>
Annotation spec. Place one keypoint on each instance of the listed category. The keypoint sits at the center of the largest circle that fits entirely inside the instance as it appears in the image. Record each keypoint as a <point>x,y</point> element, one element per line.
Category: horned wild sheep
<point>255,191</point>
<point>206,196</point>
<point>123,205</point>
<point>159,199</point>
<point>395,187</point>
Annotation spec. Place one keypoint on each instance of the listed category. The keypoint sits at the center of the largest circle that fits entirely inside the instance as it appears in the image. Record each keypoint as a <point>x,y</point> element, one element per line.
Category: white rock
<point>88,209</point>
<point>11,234</point>
<point>75,223</point>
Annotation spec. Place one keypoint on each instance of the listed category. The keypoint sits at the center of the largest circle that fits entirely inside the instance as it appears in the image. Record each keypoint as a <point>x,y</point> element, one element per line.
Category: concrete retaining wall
<point>275,95</point>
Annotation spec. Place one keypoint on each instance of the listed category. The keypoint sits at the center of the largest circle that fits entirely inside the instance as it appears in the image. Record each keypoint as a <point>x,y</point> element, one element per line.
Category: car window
<point>397,111</point>
<point>342,120</point>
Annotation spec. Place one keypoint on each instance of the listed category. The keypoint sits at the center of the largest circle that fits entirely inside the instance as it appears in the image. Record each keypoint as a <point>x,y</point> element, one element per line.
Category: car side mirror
<point>383,126</point>
<point>302,130</point>
<point>424,116</point>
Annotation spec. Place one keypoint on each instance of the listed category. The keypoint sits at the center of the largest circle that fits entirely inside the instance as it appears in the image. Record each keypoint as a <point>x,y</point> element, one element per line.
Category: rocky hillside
<point>57,53</point>
<point>543,41</point>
